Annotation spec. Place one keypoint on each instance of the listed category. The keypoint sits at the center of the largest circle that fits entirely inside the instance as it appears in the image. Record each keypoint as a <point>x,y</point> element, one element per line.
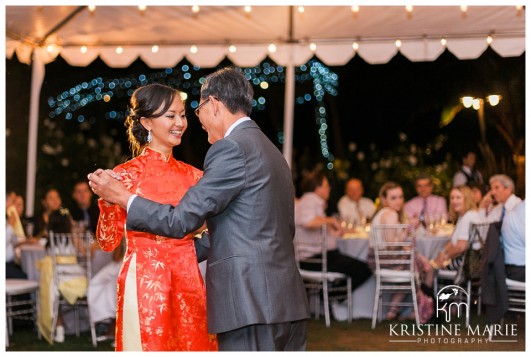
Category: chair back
<point>393,246</point>
<point>472,260</point>
<point>312,245</point>
<point>69,250</point>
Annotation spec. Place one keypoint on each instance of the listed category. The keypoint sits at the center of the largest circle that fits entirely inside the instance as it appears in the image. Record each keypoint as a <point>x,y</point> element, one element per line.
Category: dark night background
<point>375,103</point>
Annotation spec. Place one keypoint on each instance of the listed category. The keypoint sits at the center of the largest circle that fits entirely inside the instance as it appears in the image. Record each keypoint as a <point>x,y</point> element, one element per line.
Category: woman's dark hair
<point>150,101</point>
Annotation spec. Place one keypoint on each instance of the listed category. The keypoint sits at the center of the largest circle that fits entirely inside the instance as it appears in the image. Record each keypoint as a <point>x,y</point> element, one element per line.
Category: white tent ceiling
<point>333,29</point>
<point>38,34</point>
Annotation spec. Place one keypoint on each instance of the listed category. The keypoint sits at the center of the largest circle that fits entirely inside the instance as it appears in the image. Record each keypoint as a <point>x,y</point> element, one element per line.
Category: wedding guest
<point>101,293</point>
<point>14,236</point>
<point>463,211</point>
<point>84,209</point>
<point>353,206</point>
<point>50,202</point>
<point>425,204</point>
<point>310,216</point>
<point>391,211</point>
<point>161,294</point>
<point>468,173</point>
<point>513,242</point>
<point>499,200</point>
<point>478,191</point>
<point>58,221</point>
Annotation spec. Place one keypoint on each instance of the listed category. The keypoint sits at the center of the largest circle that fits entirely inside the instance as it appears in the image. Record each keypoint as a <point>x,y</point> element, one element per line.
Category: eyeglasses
<point>196,111</point>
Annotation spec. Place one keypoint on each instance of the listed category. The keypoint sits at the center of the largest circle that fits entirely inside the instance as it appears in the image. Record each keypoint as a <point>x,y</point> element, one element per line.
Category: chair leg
<point>326,305</point>
<point>349,300</point>
<point>377,297</point>
<point>93,334</point>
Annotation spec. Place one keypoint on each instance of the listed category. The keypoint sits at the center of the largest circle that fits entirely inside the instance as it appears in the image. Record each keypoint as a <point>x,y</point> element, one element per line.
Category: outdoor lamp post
<point>479,105</point>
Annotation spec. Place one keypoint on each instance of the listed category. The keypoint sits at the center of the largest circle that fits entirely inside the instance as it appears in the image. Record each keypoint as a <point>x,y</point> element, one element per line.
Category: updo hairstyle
<point>150,101</point>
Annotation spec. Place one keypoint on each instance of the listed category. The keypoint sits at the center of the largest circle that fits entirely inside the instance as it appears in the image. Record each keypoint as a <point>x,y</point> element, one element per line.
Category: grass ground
<point>340,336</point>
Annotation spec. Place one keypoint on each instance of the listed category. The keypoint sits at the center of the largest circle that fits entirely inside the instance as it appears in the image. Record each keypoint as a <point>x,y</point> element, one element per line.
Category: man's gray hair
<point>505,180</point>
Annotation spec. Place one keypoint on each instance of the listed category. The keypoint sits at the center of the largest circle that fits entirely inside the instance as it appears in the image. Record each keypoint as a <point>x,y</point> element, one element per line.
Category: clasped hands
<point>108,186</point>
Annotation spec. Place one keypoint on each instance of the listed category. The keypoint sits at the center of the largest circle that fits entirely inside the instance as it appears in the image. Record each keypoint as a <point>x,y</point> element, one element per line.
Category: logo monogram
<point>452,299</point>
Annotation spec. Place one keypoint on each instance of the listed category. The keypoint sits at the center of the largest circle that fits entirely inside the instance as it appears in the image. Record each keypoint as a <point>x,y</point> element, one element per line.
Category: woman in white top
<point>392,212</point>
<point>463,211</point>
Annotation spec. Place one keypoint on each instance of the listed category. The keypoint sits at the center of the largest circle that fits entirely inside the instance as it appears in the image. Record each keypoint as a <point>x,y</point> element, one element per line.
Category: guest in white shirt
<point>426,204</point>
<point>467,174</point>
<point>310,216</point>
<point>353,207</point>
<point>513,242</point>
<point>463,210</point>
<point>499,200</point>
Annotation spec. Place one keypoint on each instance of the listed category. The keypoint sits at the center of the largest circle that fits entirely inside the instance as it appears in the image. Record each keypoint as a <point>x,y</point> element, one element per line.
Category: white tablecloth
<point>363,296</point>
<point>29,255</point>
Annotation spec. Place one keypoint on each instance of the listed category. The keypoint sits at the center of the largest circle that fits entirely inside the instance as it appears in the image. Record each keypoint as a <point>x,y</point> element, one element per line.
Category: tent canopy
<point>337,32</point>
<point>163,35</point>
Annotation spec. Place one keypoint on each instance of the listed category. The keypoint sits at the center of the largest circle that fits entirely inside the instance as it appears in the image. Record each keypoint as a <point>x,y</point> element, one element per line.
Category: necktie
<point>360,214</point>
<point>422,216</point>
<point>502,214</point>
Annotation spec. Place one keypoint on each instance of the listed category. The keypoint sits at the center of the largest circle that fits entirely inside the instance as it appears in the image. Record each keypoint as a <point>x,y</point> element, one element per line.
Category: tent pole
<point>37,77</point>
<point>289,95</point>
<point>289,100</point>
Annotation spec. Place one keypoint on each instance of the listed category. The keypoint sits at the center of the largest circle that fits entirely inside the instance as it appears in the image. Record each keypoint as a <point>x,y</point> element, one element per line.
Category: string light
<point>355,9</point>
<point>195,9</point>
<point>92,8</point>
<point>300,9</point>
<point>443,42</point>
<point>155,49</point>
<point>325,82</point>
<point>119,50</point>
<point>247,9</point>
<point>193,49</point>
<point>398,43</point>
<point>409,9</point>
<point>489,39</point>
<point>142,8</point>
<point>232,49</point>
<point>355,46</point>
<point>83,49</point>
<point>50,48</point>
<point>272,48</point>
<point>313,47</point>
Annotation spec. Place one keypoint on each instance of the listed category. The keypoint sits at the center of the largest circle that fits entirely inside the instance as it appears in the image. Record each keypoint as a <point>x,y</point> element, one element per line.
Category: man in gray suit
<point>255,296</point>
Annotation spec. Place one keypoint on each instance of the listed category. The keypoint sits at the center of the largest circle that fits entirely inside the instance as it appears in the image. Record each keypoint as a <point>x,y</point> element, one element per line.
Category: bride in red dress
<point>161,300</point>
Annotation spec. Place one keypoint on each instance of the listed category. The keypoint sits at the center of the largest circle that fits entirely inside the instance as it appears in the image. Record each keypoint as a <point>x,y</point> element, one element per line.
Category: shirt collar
<point>235,124</point>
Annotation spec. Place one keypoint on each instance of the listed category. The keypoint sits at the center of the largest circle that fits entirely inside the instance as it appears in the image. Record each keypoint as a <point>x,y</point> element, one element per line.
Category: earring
<point>149,138</point>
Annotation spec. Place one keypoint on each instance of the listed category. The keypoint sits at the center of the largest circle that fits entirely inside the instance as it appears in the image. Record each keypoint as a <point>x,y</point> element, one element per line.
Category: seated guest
<point>310,217</point>
<point>390,211</point>
<point>513,242</point>
<point>499,200</point>
<point>478,191</point>
<point>353,206</point>
<point>14,238</point>
<point>59,221</point>
<point>426,204</point>
<point>463,211</point>
<point>84,209</point>
<point>102,292</point>
<point>467,174</point>
<point>50,202</point>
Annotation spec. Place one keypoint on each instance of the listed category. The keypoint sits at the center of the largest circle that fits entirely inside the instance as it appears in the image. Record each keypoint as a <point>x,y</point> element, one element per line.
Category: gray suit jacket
<point>246,196</point>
